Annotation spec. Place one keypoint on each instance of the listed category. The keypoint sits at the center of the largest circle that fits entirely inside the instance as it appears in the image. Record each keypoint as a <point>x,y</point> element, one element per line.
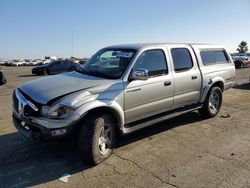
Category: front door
<point>144,98</point>
<point>56,67</point>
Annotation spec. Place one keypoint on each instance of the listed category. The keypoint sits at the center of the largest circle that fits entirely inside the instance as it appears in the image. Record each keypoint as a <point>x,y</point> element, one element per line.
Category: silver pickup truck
<point>122,89</point>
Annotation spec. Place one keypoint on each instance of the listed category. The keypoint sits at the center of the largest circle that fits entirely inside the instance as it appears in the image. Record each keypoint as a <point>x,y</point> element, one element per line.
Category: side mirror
<point>139,74</point>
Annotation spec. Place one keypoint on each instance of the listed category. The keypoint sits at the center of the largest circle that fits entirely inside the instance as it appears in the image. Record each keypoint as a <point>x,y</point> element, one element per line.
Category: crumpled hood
<point>45,89</point>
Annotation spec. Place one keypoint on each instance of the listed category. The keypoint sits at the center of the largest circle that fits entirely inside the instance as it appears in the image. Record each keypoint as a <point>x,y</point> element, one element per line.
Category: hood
<point>45,89</point>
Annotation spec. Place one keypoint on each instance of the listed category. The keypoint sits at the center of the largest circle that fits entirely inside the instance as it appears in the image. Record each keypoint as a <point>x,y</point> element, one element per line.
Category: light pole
<point>72,43</point>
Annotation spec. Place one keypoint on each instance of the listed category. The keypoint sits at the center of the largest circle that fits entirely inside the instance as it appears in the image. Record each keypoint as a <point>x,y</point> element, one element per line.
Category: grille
<point>15,101</point>
<point>28,111</point>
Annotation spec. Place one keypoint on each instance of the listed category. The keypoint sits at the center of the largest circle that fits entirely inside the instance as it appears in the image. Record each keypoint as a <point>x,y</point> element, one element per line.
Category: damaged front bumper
<point>37,127</point>
<point>34,131</point>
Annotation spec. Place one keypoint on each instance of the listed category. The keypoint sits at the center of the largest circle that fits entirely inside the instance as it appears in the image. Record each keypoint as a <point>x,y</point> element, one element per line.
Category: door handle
<point>133,90</point>
<point>194,77</point>
<point>167,83</point>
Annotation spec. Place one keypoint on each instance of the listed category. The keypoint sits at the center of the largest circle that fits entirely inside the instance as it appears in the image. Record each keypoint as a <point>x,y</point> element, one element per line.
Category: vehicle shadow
<point>25,164</point>
<point>245,86</point>
<point>28,75</point>
<point>155,129</point>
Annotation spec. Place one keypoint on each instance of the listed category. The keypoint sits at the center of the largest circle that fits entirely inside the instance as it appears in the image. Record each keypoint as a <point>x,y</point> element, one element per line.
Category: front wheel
<point>97,138</point>
<point>213,102</point>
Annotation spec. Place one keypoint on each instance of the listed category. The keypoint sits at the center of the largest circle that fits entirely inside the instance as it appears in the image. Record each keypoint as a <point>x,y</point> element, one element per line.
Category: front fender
<point>112,105</point>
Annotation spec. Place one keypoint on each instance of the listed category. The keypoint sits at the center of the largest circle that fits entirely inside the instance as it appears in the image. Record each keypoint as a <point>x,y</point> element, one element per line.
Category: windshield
<point>108,63</point>
<point>51,63</point>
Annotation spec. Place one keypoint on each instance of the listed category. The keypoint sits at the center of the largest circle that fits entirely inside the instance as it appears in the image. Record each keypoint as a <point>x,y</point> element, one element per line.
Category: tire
<point>241,66</point>
<point>45,72</point>
<point>212,104</point>
<point>97,138</point>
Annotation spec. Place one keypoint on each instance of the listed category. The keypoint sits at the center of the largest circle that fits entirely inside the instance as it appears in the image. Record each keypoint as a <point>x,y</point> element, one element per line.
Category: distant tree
<point>242,48</point>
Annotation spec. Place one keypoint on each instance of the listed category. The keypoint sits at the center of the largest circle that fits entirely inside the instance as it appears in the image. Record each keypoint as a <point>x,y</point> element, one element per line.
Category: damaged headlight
<point>57,111</point>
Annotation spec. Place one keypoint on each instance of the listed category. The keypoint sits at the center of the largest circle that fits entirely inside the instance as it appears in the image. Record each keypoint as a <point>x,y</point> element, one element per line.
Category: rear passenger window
<point>154,61</point>
<point>182,59</point>
<point>220,56</point>
<point>213,57</point>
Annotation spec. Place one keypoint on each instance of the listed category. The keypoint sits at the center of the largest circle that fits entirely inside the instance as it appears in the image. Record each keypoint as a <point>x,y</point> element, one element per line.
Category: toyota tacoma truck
<point>122,89</point>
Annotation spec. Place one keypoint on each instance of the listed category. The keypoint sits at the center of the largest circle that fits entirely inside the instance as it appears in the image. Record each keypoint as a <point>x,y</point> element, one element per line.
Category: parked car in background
<point>2,62</point>
<point>27,62</point>
<point>35,62</point>
<point>241,60</point>
<point>2,79</point>
<point>55,67</point>
<point>17,63</point>
<point>45,61</point>
<point>7,62</point>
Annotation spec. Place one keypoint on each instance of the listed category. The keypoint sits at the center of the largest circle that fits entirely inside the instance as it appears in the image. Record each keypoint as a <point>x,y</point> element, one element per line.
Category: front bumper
<point>34,131</point>
<point>30,124</point>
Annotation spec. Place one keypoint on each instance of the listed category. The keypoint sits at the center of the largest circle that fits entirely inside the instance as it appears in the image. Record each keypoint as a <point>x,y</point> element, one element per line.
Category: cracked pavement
<point>187,151</point>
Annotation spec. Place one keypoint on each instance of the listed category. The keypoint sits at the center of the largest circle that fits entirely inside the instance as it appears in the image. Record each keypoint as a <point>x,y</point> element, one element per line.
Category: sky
<point>38,28</point>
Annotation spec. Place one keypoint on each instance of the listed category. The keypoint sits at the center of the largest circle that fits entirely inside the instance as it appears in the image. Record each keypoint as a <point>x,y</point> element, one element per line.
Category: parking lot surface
<point>187,151</point>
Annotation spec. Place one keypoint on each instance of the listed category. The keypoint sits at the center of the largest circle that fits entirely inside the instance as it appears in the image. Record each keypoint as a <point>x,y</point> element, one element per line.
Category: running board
<point>140,124</point>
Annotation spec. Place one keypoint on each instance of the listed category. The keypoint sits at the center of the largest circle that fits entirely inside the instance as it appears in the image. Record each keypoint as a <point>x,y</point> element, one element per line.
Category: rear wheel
<point>45,72</point>
<point>97,138</point>
<point>213,102</point>
<point>241,66</point>
<point>72,69</point>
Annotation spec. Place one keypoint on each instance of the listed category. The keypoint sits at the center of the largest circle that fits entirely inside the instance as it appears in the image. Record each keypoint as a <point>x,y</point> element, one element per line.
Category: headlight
<point>57,111</point>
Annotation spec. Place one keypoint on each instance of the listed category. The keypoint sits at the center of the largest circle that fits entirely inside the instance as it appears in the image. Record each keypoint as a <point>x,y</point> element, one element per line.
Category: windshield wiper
<point>95,73</point>
<point>83,71</point>
<point>103,75</point>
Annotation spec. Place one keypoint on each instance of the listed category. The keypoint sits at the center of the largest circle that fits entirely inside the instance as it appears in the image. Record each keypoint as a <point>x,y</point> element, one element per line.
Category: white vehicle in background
<point>45,61</point>
<point>7,62</point>
<point>17,63</point>
<point>27,62</point>
<point>51,57</point>
<point>34,62</point>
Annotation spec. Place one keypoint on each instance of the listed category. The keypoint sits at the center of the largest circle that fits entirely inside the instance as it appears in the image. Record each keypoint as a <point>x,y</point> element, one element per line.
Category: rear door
<point>187,76</point>
<point>144,98</point>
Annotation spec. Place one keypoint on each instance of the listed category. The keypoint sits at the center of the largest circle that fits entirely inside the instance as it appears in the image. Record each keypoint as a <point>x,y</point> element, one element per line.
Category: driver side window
<point>154,61</point>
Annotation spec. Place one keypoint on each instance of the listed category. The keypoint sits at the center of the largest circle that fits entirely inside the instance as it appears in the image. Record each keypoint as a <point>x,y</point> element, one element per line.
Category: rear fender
<point>210,83</point>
